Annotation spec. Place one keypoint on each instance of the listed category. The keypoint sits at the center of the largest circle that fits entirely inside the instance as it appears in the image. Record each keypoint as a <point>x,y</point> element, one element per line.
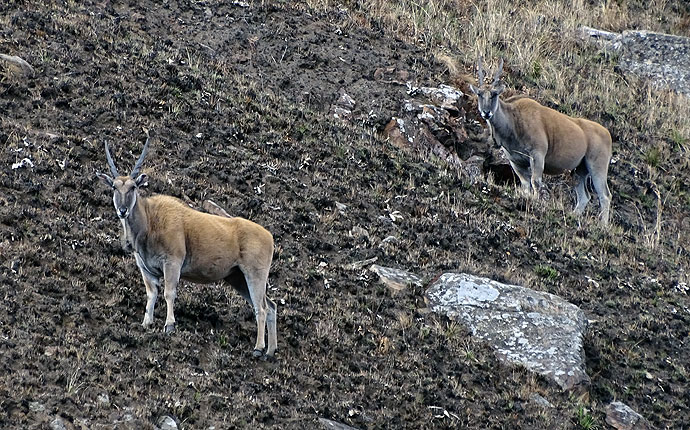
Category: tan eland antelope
<point>171,241</point>
<point>537,140</point>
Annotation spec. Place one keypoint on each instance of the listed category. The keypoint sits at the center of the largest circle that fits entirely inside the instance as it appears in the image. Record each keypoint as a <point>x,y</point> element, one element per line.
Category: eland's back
<point>210,245</point>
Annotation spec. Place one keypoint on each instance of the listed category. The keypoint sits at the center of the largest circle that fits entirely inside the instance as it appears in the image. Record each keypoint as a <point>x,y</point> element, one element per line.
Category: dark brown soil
<point>239,100</point>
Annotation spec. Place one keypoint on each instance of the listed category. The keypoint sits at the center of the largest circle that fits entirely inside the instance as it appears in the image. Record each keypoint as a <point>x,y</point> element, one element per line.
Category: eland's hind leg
<point>271,321</point>
<point>256,284</point>
<point>599,174</point>
<point>581,174</point>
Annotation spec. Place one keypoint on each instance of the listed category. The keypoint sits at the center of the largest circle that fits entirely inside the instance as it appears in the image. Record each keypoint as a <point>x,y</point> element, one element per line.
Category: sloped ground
<point>237,97</point>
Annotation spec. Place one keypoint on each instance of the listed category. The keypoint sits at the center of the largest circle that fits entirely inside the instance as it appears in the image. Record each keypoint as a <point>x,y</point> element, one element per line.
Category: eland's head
<point>125,187</point>
<point>487,94</point>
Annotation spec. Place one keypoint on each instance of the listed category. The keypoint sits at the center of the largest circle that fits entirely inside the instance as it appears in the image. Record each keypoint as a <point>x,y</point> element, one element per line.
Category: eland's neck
<point>136,224</point>
<point>501,123</point>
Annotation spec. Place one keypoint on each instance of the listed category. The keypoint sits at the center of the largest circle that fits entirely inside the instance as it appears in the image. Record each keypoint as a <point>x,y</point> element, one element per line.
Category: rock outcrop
<point>537,330</point>
<point>433,123</point>
<point>663,59</point>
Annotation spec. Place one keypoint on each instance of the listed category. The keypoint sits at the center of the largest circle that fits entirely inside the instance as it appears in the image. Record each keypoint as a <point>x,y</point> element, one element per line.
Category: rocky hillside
<point>241,98</point>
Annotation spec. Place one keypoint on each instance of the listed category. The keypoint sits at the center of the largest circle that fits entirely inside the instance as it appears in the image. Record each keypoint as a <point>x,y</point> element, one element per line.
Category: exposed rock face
<point>429,129</point>
<point>433,122</point>
<point>661,58</point>
<point>664,59</point>
<point>622,417</point>
<point>537,330</point>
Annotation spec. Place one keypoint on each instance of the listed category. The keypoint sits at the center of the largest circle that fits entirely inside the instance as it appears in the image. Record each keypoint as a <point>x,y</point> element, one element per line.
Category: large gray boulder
<point>663,59</point>
<point>538,330</point>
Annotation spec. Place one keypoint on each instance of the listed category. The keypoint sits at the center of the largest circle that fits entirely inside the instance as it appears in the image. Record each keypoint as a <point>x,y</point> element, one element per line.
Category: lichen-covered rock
<point>538,330</point>
<point>444,96</point>
<point>663,59</point>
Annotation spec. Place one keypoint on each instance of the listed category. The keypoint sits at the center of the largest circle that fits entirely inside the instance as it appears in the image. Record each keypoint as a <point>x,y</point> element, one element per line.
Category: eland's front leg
<point>171,273</point>
<point>523,174</point>
<point>151,284</point>
<point>537,168</point>
<point>151,296</point>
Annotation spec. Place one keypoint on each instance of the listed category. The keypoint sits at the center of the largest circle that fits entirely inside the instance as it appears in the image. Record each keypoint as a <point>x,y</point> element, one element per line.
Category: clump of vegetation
<point>546,272</point>
<point>584,419</point>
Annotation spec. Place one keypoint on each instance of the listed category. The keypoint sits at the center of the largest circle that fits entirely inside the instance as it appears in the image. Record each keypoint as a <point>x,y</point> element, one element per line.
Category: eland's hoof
<point>268,357</point>
<point>169,328</point>
<point>257,353</point>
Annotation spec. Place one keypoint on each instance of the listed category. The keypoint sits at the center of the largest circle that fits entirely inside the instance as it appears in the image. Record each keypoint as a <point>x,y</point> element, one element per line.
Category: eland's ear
<point>105,179</point>
<point>474,89</point>
<point>142,180</point>
<point>498,88</point>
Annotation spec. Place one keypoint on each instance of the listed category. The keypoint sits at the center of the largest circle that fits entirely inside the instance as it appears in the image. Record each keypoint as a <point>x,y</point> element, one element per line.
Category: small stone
<point>18,66</point>
<point>103,399</point>
<point>36,407</point>
<point>334,425</point>
<point>390,239</point>
<point>213,208</point>
<point>539,400</point>
<point>396,279</point>
<point>57,424</point>
<point>358,231</point>
<point>166,422</point>
<point>342,113</point>
<point>345,100</point>
<point>357,265</point>
<point>620,416</point>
